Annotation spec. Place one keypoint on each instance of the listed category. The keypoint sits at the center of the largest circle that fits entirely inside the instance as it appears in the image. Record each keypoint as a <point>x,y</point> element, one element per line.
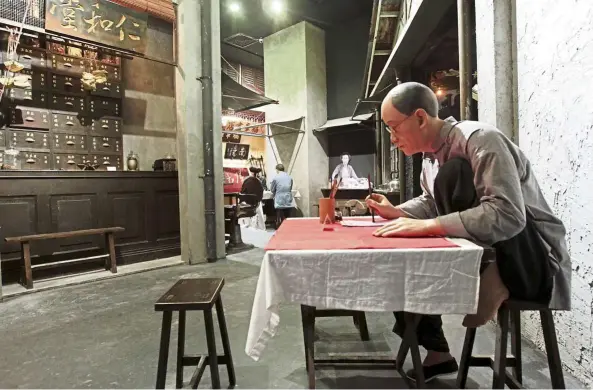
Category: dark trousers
<point>522,260</point>
<point>281,215</point>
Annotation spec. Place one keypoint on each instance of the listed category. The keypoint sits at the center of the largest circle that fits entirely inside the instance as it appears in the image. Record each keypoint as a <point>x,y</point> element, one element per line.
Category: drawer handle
<point>105,144</point>
<point>70,143</point>
<point>30,119</point>
<point>70,162</point>
<point>106,163</point>
<point>105,126</point>
<point>68,65</point>
<point>69,104</point>
<point>30,161</point>
<point>106,89</point>
<point>68,83</point>
<point>70,123</point>
<point>27,57</point>
<point>28,98</point>
<point>29,139</point>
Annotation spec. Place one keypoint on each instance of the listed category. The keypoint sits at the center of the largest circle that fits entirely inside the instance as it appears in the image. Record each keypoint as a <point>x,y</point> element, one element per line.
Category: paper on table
<point>355,223</point>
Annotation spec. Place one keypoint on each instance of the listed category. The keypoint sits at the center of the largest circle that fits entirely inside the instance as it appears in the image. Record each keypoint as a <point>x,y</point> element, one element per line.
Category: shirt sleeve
<point>501,212</point>
<point>421,207</point>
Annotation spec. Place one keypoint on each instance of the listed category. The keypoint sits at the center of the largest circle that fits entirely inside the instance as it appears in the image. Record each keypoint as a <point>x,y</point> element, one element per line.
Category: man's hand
<point>407,227</point>
<point>381,205</point>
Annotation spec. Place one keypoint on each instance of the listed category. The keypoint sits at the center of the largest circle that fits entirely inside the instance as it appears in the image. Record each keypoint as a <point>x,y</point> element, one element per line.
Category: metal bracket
<point>202,78</point>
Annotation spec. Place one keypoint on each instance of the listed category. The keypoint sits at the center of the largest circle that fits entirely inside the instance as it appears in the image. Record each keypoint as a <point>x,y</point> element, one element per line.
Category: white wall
<point>555,129</point>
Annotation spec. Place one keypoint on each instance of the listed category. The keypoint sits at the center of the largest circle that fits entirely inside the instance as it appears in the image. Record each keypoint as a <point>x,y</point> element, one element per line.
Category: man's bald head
<point>410,110</point>
<point>411,96</point>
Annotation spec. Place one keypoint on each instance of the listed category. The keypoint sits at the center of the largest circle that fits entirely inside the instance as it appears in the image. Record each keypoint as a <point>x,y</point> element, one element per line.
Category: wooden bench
<point>25,241</point>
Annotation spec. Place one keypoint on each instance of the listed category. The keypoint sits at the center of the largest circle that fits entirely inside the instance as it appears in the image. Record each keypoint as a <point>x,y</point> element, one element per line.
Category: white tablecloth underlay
<point>427,281</point>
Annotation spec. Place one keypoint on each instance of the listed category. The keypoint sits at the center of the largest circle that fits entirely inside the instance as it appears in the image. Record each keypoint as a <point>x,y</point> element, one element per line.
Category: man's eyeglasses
<point>392,129</point>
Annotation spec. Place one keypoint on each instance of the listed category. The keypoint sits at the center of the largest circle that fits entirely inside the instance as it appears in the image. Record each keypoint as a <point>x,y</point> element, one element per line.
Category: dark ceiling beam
<point>415,34</point>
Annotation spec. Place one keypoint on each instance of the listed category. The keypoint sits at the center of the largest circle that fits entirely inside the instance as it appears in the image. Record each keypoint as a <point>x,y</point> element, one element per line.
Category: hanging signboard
<point>99,21</point>
<point>236,151</point>
<point>234,138</point>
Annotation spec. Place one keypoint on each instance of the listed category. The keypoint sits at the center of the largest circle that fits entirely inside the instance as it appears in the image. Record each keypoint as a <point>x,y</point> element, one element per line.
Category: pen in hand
<point>370,197</point>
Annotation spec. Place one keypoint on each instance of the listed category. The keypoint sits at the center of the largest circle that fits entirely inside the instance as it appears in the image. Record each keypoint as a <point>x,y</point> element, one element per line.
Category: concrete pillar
<point>190,131</point>
<point>495,45</point>
<point>295,76</point>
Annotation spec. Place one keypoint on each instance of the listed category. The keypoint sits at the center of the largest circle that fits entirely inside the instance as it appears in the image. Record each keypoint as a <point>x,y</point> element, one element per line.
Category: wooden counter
<point>146,204</point>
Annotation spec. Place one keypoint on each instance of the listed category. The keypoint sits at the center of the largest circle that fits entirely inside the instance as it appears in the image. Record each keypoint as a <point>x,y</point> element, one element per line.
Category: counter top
<point>10,174</point>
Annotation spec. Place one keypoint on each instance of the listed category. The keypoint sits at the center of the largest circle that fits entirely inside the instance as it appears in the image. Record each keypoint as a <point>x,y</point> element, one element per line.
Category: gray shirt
<point>282,190</point>
<point>507,189</point>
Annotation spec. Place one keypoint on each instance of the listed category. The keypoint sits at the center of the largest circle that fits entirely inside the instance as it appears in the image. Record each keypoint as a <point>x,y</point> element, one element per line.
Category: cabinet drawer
<point>29,118</point>
<point>106,127</point>
<point>104,161</point>
<point>67,65</point>
<point>105,145</point>
<point>38,78</point>
<point>28,97</point>
<point>108,89</point>
<point>105,106</point>
<point>36,161</point>
<point>31,58</point>
<point>68,123</point>
<point>22,139</point>
<point>69,143</point>
<point>113,72</point>
<point>68,161</point>
<point>67,84</point>
<point>68,103</point>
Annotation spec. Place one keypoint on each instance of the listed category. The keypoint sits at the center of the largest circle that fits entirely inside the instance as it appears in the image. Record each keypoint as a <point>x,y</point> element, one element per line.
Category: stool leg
<point>226,345</point>
<point>164,350</point>
<point>500,351</point>
<point>554,362</point>
<point>516,344</point>
<point>466,357</point>
<point>212,354</point>
<point>180,350</point>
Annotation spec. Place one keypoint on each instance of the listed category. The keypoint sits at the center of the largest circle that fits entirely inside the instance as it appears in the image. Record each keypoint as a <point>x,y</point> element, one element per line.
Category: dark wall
<point>149,114</point>
<point>346,50</point>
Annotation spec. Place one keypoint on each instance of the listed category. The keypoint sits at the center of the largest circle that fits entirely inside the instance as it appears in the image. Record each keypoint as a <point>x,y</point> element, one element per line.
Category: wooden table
<point>332,269</point>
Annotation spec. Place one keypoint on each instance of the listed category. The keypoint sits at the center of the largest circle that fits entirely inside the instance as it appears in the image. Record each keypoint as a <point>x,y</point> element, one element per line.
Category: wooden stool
<point>511,310</point>
<point>194,294</point>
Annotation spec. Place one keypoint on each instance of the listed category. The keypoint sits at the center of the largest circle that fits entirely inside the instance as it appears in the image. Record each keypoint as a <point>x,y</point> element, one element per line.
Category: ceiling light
<point>277,6</point>
<point>234,7</point>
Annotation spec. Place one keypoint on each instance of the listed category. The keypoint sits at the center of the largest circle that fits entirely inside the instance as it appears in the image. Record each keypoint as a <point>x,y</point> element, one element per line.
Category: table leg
<point>308,319</point>
<point>26,253</point>
<point>180,350</point>
<point>110,241</point>
<point>164,350</point>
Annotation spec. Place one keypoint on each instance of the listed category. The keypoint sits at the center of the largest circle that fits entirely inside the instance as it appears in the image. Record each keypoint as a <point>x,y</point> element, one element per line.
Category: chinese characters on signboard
<point>235,138</point>
<point>98,21</point>
<point>234,151</point>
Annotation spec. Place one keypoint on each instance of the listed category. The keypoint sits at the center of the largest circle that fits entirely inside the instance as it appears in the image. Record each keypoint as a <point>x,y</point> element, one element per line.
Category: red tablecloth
<point>303,234</point>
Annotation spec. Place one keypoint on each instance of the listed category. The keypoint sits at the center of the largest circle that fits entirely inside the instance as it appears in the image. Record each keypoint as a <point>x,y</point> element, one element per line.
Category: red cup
<point>327,210</point>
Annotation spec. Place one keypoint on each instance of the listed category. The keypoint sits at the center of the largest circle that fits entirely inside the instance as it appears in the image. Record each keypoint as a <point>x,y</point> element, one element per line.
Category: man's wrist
<point>434,227</point>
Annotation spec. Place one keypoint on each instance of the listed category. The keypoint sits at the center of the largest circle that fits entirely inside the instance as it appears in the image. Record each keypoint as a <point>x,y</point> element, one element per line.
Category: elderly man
<point>480,186</point>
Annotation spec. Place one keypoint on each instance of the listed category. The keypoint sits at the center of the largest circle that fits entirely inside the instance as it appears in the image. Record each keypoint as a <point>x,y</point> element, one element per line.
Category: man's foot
<point>493,293</point>
<point>436,370</point>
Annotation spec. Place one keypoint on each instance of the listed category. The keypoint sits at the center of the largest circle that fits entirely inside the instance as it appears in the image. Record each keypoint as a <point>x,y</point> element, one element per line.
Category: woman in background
<point>281,188</point>
<point>344,170</point>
